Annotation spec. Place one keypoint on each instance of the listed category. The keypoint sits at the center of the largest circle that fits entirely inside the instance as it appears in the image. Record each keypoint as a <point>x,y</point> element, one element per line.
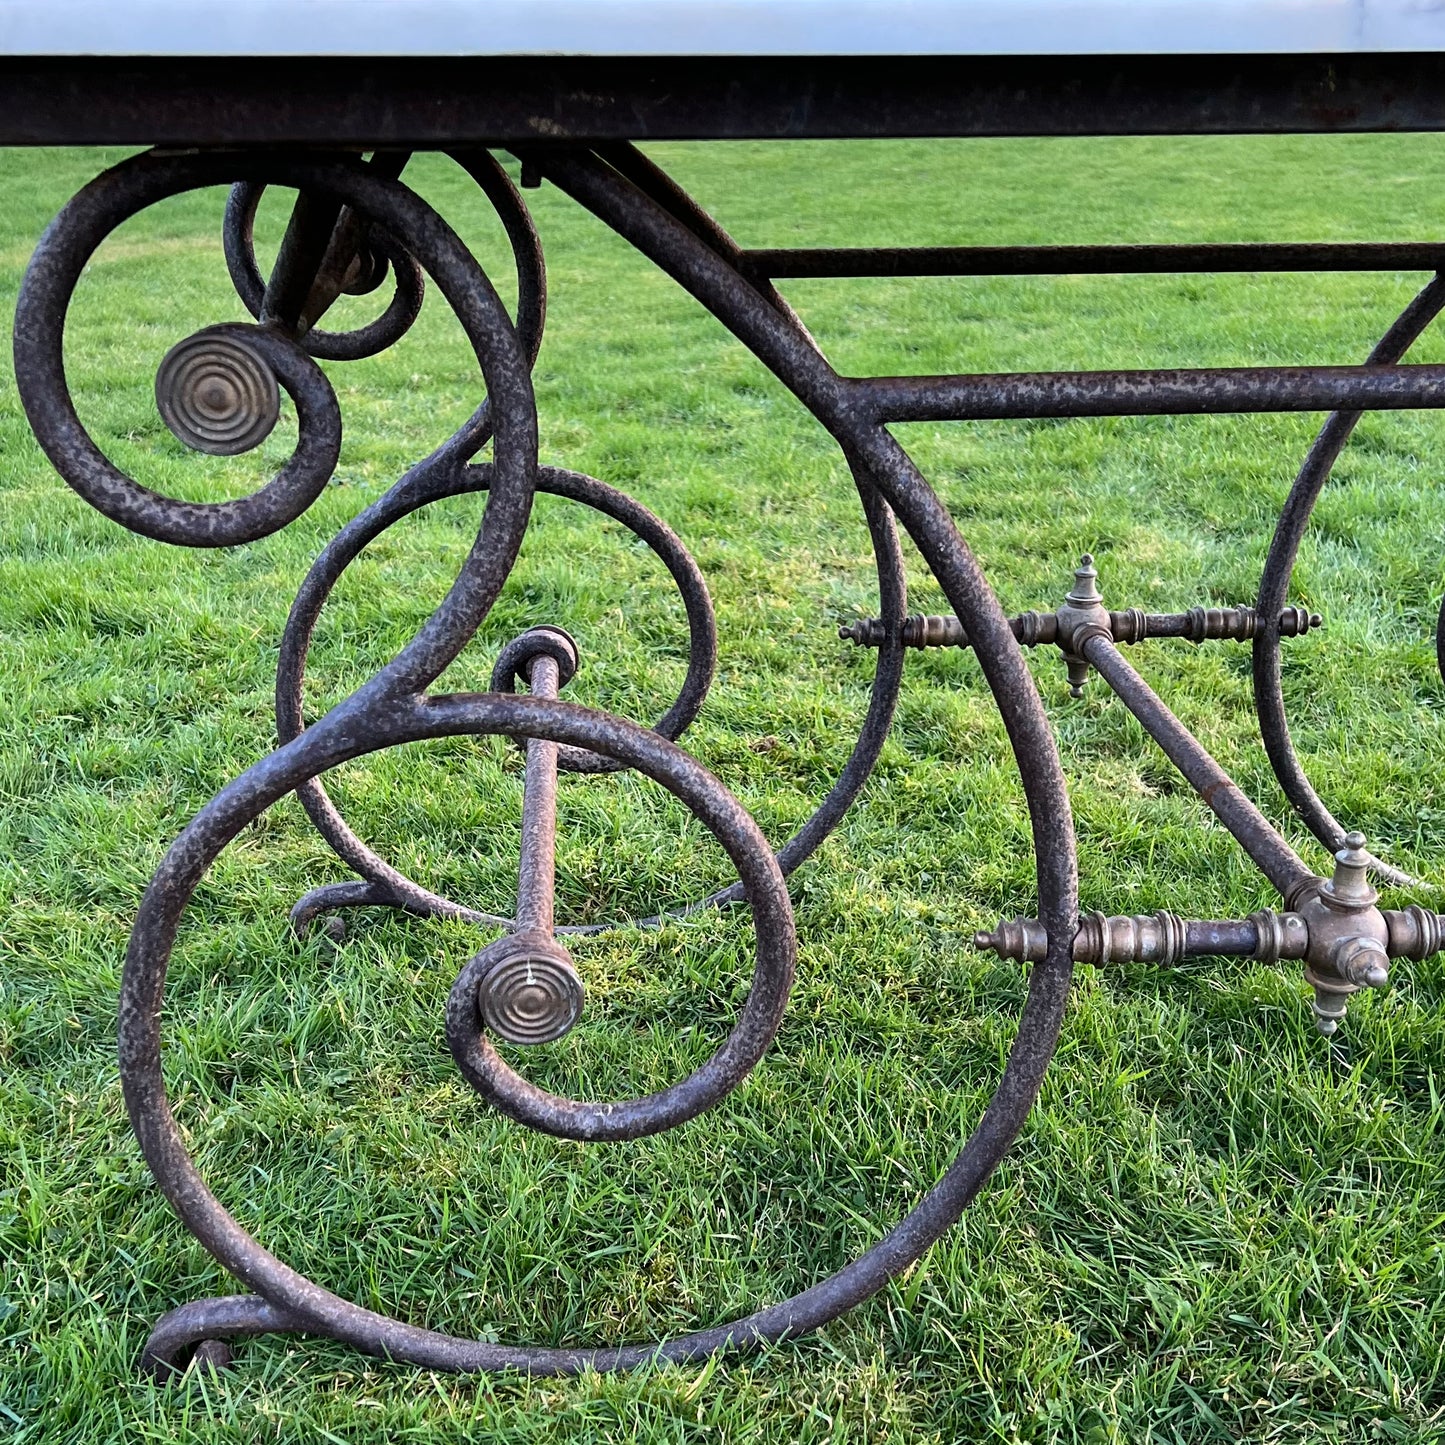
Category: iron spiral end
<point>216,394</point>
<point>532,993</point>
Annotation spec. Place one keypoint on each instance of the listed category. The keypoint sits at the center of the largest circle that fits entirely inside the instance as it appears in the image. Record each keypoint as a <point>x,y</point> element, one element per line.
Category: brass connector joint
<point>1349,938</point>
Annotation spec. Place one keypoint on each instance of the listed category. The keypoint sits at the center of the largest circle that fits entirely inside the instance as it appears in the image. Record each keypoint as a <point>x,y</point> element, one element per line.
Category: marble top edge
<point>722,28</point>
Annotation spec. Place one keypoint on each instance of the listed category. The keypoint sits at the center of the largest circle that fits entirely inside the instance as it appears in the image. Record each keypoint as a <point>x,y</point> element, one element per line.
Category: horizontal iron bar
<point>844,261</point>
<point>1001,395</point>
<point>428,102</point>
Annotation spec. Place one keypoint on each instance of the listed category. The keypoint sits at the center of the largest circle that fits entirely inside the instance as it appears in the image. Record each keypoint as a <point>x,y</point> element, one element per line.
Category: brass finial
<point>1349,889</point>
<point>1085,591</point>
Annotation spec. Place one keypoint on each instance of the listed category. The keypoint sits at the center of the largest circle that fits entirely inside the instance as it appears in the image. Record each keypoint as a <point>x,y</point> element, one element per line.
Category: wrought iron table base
<point>353,225</point>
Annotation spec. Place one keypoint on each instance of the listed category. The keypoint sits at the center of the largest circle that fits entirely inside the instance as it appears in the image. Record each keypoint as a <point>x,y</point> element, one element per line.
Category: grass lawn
<point>1215,1226</point>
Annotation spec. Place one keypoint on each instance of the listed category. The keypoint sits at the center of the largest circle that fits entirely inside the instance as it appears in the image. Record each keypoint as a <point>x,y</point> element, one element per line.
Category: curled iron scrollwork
<point>254,358</point>
<point>218,390</point>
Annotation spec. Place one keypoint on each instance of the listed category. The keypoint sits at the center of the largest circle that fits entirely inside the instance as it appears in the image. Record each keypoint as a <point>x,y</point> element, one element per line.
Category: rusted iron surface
<point>354,224</point>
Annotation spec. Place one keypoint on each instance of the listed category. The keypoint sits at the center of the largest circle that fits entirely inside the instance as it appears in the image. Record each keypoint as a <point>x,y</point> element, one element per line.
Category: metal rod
<point>1165,939</point>
<point>314,262</point>
<point>1000,395</point>
<point>1220,938</point>
<point>1030,629</point>
<point>1255,834</point>
<point>348,236</point>
<point>298,262</point>
<point>537,868</point>
<point>658,186</point>
<point>848,261</point>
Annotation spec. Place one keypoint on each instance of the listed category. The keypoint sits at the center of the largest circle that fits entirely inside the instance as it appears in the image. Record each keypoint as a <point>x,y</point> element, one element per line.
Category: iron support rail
<point>999,396</point>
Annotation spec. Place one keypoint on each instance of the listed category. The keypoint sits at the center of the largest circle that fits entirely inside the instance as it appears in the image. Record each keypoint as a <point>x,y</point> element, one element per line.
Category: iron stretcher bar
<point>996,396</point>
<point>846,261</point>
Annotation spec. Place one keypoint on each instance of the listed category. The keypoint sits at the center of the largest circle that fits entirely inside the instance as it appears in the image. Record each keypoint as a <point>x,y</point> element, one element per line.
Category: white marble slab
<point>716,27</point>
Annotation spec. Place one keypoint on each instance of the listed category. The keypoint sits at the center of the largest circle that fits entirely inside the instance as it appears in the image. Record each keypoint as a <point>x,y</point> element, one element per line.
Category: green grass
<point>1215,1226</point>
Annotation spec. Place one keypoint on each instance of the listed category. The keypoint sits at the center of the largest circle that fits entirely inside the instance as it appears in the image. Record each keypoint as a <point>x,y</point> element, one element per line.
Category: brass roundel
<point>216,394</point>
<point>532,995</point>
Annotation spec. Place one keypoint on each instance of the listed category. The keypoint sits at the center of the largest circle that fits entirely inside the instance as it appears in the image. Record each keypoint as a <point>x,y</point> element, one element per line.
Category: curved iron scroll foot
<point>297,1302</point>
<point>331,898</point>
<point>293,1302</point>
<point>199,1333</point>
